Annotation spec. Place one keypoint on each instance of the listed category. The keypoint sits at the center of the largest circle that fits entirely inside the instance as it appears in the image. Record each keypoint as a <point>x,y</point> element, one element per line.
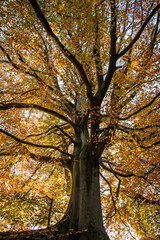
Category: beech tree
<point>79,92</point>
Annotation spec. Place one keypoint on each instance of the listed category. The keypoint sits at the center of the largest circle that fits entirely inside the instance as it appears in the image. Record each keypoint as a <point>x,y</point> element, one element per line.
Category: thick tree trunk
<point>85,211</point>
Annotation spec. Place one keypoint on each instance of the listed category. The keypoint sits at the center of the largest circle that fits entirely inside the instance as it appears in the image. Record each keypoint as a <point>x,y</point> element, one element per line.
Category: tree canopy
<point>79,107</point>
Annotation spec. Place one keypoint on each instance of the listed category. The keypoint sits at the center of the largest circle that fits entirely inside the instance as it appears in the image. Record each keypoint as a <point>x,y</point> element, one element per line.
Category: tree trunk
<point>85,205</point>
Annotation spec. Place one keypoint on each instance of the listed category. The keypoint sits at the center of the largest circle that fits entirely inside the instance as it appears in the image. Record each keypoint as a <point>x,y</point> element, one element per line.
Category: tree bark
<point>85,211</point>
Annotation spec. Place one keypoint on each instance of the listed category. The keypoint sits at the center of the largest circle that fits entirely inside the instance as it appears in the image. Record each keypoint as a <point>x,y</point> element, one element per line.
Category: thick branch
<point>35,106</point>
<point>112,62</point>
<point>135,39</point>
<point>96,53</point>
<point>63,49</point>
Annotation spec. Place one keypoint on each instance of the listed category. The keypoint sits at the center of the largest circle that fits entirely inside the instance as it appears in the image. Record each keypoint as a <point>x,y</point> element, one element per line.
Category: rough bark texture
<point>86,212</point>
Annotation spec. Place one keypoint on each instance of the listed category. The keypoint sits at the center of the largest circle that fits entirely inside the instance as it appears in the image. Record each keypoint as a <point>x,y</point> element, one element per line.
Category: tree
<point>80,88</point>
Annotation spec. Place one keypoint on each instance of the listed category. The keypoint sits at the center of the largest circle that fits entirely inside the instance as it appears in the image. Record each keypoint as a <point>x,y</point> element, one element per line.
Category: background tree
<point>79,92</point>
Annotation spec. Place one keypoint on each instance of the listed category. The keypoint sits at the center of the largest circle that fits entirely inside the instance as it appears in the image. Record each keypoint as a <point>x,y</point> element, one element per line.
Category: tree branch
<point>112,62</point>
<point>154,34</point>
<point>115,172</point>
<point>119,181</point>
<point>147,105</point>
<point>35,106</point>
<point>135,39</point>
<point>96,53</point>
<point>146,200</point>
<point>16,93</point>
<point>113,30</point>
<point>63,49</point>
<point>30,71</point>
<point>9,59</point>
<point>121,127</point>
<point>34,144</point>
<point>150,146</point>
<point>37,157</point>
<point>138,140</point>
<point>66,134</point>
<point>139,197</point>
<point>111,192</point>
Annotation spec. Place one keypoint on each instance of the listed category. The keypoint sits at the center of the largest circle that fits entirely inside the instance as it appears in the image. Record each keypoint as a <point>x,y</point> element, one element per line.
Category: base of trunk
<point>60,231</point>
<point>49,235</point>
